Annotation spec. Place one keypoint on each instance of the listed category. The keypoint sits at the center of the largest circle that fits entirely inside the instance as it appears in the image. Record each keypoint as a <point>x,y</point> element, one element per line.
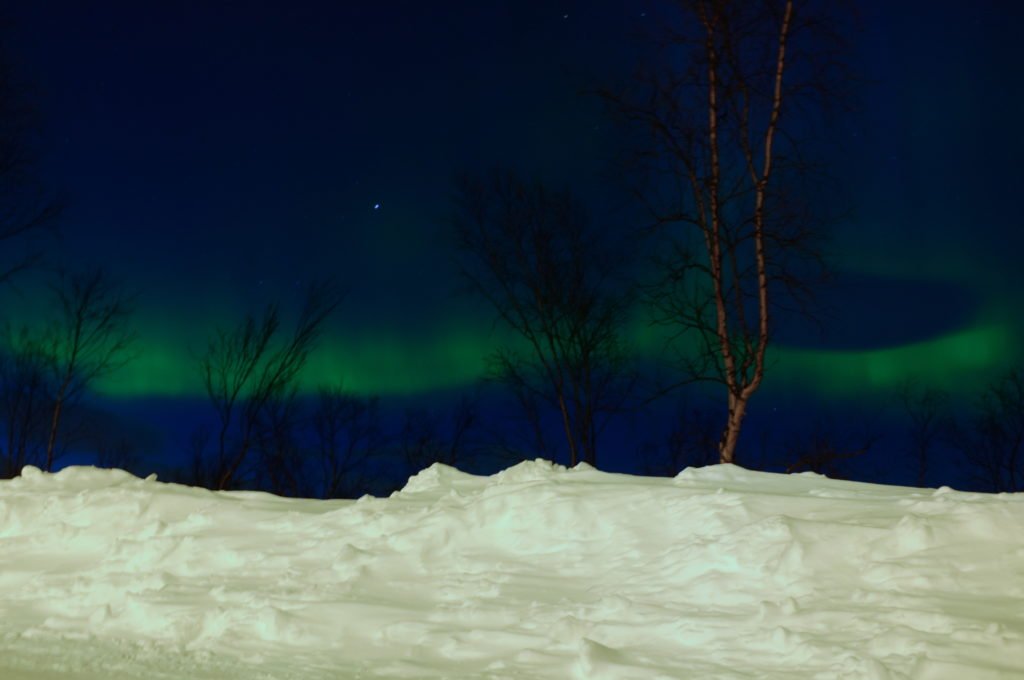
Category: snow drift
<point>535,572</point>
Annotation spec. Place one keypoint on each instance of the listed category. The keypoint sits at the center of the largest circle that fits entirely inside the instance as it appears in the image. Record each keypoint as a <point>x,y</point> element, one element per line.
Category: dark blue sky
<point>218,155</point>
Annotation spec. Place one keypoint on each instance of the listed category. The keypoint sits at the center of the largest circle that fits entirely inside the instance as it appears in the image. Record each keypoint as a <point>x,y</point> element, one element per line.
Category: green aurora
<point>397,364</point>
<point>949,362</point>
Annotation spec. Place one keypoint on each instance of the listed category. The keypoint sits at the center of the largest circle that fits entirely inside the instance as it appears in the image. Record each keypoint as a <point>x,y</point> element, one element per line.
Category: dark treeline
<point>728,246</point>
<point>332,443</point>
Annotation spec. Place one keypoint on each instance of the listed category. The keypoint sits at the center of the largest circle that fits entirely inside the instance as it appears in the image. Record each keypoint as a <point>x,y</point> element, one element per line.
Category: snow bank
<point>536,572</point>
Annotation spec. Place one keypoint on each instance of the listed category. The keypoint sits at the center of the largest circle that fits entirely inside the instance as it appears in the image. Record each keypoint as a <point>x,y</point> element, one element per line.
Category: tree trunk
<point>731,435</point>
<point>567,427</point>
<point>51,442</point>
<point>228,474</point>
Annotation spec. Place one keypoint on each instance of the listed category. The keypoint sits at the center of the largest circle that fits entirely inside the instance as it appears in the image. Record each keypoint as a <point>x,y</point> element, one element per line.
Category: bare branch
<point>718,181</point>
<point>552,279</point>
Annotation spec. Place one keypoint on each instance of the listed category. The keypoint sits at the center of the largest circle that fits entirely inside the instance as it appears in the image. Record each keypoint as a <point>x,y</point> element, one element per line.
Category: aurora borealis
<point>219,156</point>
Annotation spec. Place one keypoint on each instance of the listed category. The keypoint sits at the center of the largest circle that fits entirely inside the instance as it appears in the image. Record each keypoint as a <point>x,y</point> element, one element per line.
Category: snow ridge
<point>536,572</point>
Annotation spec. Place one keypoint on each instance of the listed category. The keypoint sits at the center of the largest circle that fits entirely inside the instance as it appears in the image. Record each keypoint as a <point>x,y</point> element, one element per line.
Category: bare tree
<point>278,443</point>
<point>245,371</point>
<point>229,369</point>
<point>929,423</point>
<point>527,412</point>
<point>823,450</point>
<point>26,402</point>
<point>348,434</point>
<point>992,441</point>
<point>200,472</point>
<point>28,209</point>
<point>721,161</point>
<point>90,339</point>
<point>120,453</point>
<point>555,281</point>
<point>426,440</point>
<point>692,442</point>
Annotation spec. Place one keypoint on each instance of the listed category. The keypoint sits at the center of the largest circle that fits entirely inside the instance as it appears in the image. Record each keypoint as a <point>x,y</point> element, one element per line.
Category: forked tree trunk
<point>731,434</point>
<point>741,385</point>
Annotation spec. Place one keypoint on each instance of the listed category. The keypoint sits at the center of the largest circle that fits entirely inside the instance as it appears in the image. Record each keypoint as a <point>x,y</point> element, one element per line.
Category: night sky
<point>220,155</point>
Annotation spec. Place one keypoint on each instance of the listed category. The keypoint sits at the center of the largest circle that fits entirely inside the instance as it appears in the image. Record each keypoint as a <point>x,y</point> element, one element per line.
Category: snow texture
<point>536,572</point>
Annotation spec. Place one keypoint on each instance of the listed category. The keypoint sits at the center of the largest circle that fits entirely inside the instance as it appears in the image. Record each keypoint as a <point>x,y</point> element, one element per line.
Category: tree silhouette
<point>281,451</point>
<point>992,440</point>
<point>555,281</point>
<point>929,423</point>
<point>90,339</point>
<point>247,372</point>
<point>425,439</point>
<point>826,451</point>
<point>718,151</point>
<point>26,402</point>
<point>691,442</point>
<point>348,434</point>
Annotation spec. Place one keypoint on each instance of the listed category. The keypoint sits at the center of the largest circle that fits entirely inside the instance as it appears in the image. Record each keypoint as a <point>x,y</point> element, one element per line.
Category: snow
<point>536,572</point>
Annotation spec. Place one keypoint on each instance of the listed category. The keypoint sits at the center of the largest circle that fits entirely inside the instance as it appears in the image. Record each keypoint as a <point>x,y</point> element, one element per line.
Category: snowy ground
<point>536,572</point>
